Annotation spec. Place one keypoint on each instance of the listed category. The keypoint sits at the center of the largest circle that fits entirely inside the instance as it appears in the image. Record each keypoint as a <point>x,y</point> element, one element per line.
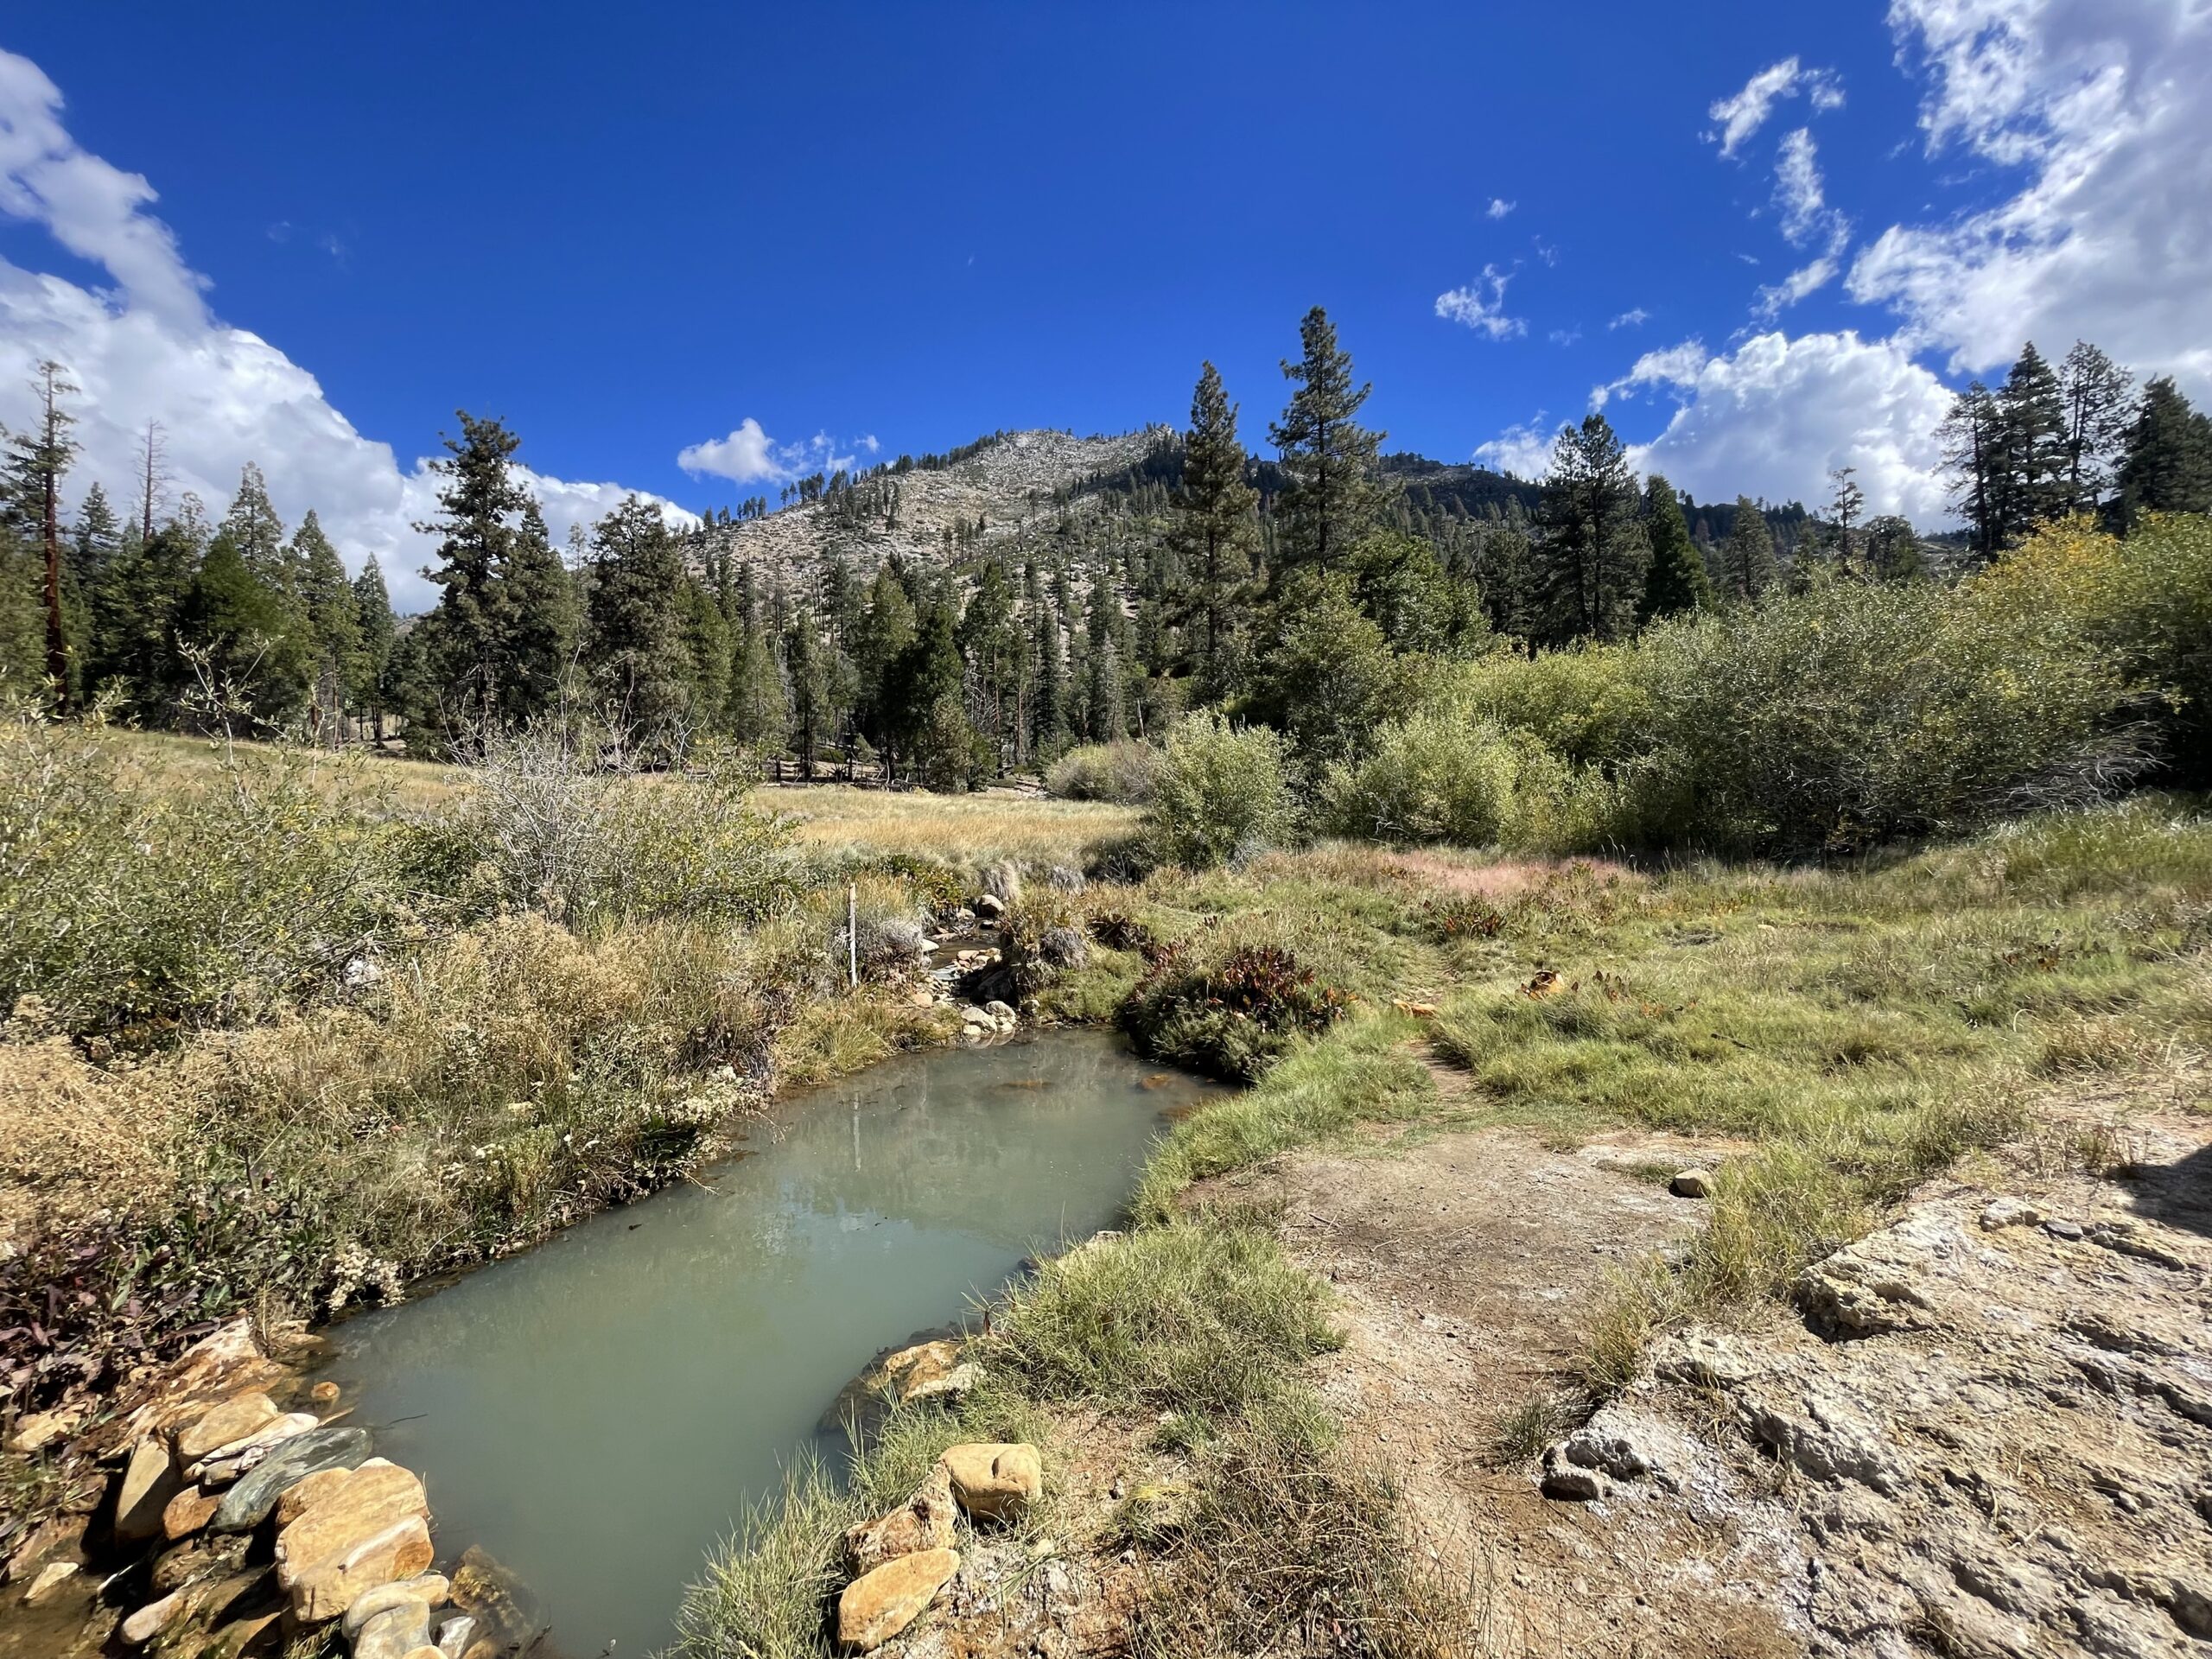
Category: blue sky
<point>301,240</point>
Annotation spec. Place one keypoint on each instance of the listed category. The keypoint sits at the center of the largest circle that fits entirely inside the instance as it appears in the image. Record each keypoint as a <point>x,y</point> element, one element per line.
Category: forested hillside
<point>967,614</point>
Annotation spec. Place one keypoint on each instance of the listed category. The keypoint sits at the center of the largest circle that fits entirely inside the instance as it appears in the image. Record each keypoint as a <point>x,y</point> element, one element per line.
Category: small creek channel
<point>597,1412</point>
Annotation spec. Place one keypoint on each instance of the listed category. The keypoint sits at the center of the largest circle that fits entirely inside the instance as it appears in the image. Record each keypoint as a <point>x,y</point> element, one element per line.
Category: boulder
<point>394,1633</point>
<point>226,1463</point>
<point>1692,1183</point>
<point>233,1420</point>
<point>923,1523</point>
<point>877,1606</point>
<point>426,1590</point>
<point>289,1467</point>
<point>41,1429</point>
<point>990,906</point>
<point>995,1481</point>
<point>454,1635</point>
<point>188,1511</point>
<point>296,1500</point>
<point>54,1575</point>
<point>328,1588</point>
<point>367,1530</point>
<point>150,1480</point>
<point>153,1618</point>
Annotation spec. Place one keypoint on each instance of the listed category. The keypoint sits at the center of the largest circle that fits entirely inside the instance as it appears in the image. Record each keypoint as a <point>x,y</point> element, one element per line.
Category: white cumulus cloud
<point>1774,417</point>
<point>1499,207</point>
<point>150,348</point>
<point>2105,106</point>
<point>1481,306</point>
<point>749,455</point>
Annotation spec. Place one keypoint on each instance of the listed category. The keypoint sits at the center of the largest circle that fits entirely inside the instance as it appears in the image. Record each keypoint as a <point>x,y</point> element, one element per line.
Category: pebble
<point>1692,1183</point>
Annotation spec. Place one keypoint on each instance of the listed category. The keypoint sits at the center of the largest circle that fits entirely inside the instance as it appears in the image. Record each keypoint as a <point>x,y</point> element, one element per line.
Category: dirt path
<point>1466,1264</point>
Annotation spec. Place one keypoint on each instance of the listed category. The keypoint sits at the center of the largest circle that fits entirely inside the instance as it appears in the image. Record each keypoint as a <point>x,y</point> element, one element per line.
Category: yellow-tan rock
<point>877,1606</point>
<point>369,1529</point>
<point>188,1512</point>
<point>924,1521</point>
<point>995,1482</point>
<point>235,1419</point>
<point>325,1589</point>
<point>427,1589</point>
<point>150,1480</point>
<point>294,1501</point>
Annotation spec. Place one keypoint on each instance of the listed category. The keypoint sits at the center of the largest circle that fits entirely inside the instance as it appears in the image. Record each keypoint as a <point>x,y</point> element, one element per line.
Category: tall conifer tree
<point>1333,488</point>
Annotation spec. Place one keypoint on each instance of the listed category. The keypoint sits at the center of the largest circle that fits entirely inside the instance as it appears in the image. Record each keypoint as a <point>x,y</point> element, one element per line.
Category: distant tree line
<point>1293,588</point>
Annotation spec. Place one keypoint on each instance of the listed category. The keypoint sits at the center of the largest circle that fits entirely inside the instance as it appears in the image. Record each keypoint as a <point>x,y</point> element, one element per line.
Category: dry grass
<point>991,824</point>
<point>171,760</point>
<point>76,1138</point>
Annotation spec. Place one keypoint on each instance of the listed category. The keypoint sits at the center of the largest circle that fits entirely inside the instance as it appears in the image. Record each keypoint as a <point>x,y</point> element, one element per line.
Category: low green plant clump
<point>1197,1330</point>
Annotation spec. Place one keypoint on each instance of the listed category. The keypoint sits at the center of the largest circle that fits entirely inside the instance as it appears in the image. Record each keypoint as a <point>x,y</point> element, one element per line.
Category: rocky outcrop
<point>1991,1430</point>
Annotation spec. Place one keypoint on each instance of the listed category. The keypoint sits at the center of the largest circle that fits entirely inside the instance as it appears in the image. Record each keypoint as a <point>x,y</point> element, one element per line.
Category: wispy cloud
<point>1499,207</point>
<point>1741,115</point>
<point>1632,318</point>
<point>1481,306</point>
<point>1564,336</point>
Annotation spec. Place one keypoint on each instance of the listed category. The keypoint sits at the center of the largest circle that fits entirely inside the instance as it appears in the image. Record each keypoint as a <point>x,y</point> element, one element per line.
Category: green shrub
<point>1855,714</point>
<point>128,908</point>
<point>1591,704</point>
<point>1220,793</point>
<point>565,833</point>
<point>1123,774</point>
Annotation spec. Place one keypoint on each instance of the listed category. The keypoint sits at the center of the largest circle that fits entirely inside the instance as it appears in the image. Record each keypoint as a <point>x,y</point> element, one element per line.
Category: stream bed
<point>597,1413</point>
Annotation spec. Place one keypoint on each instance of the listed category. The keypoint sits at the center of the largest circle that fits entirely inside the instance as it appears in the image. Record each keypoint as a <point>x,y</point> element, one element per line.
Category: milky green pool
<point>596,1414</point>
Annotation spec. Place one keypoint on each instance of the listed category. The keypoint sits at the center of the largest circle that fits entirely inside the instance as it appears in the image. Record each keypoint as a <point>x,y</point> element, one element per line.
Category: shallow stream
<point>597,1413</point>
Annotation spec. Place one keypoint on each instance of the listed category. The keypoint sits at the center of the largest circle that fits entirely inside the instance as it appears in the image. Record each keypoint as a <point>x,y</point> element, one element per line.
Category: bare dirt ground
<point>1466,1264</point>
<point>1986,1430</point>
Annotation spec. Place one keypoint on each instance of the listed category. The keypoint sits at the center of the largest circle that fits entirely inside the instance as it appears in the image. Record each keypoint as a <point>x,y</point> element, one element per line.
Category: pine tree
<point>1214,521</point>
<point>1591,561</point>
<point>1972,436</point>
<point>2096,393</point>
<point>925,675</point>
<point>1747,556</point>
<point>540,621</point>
<point>372,688</point>
<point>1332,490</point>
<point>759,711</point>
<point>803,654</point>
<point>37,460</point>
<point>1845,506</point>
<point>1675,579</point>
<point>2168,466</point>
<point>1893,551</point>
<point>2033,408</point>
<point>884,628</point>
<point>479,499</point>
<point>238,624</point>
<point>633,645</point>
<point>990,642</point>
<point>334,624</point>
